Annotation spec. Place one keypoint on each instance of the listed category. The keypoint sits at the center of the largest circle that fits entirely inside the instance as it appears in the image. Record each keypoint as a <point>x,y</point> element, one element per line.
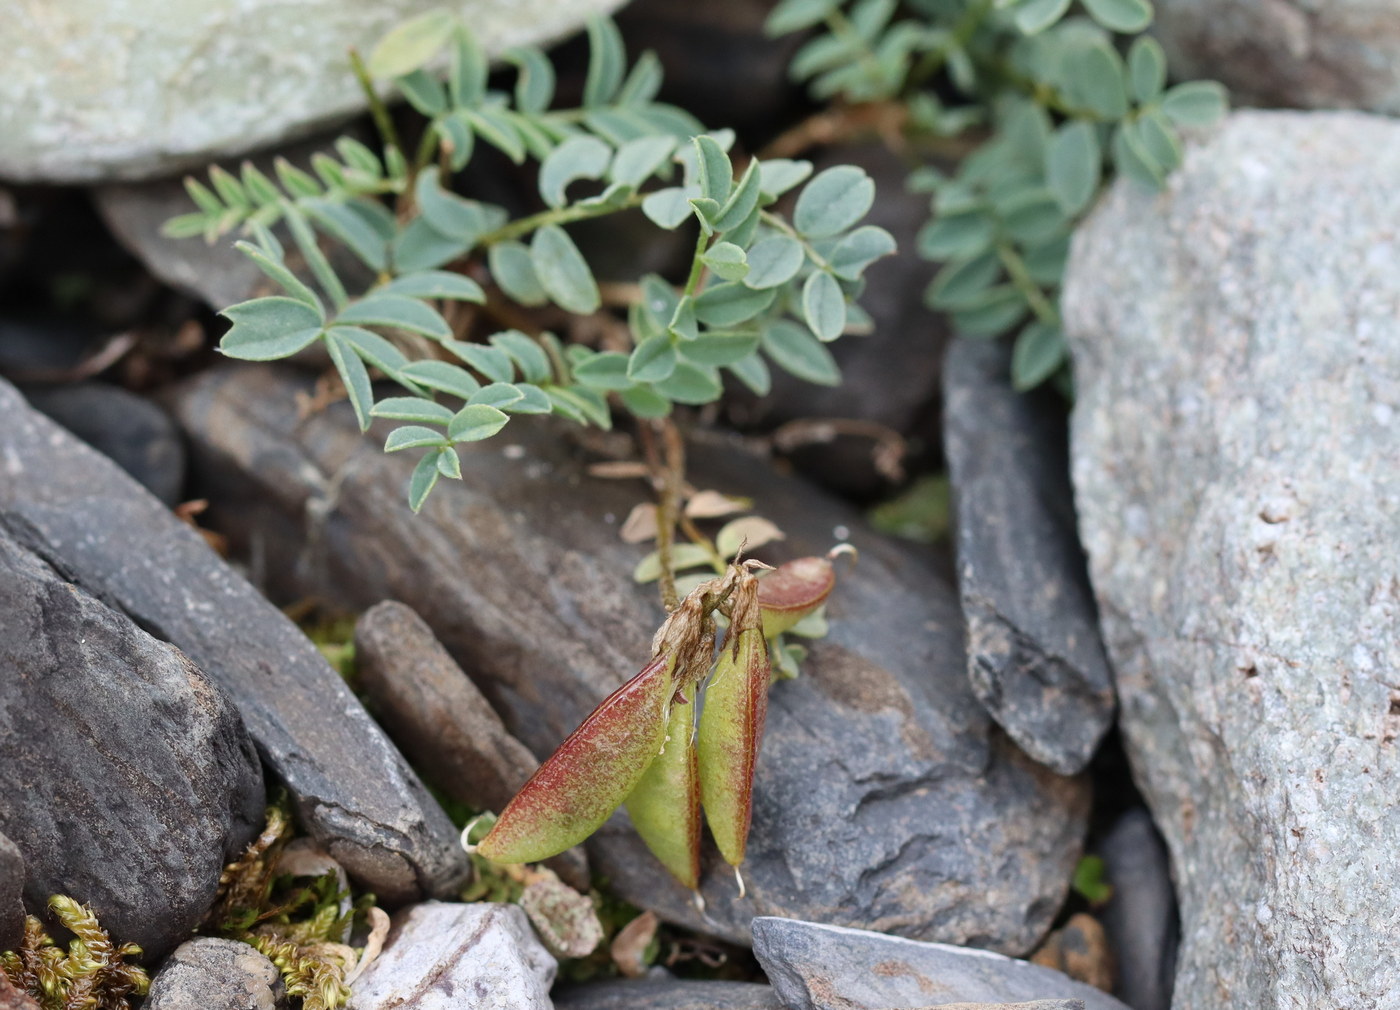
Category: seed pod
<point>665,806</point>
<point>793,591</point>
<point>731,725</point>
<point>593,771</point>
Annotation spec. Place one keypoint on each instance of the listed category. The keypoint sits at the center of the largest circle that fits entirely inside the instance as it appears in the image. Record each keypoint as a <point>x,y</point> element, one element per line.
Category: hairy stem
<point>1020,276</point>
<point>383,122</point>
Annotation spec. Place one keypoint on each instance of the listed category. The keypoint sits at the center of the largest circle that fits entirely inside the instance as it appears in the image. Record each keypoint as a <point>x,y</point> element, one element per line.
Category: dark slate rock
<point>128,429</point>
<point>1141,918</point>
<point>11,895</point>
<point>210,973</point>
<point>818,967</point>
<point>666,994</point>
<point>441,720</point>
<point>884,797</point>
<point>354,793</point>
<point>1035,658</point>
<point>128,776</point>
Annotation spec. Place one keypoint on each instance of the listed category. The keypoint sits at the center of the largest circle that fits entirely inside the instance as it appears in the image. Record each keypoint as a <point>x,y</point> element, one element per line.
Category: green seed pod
<point>793,591</point>
<point>665,806</point>
<point>593,771</point>
<point>731,725</point>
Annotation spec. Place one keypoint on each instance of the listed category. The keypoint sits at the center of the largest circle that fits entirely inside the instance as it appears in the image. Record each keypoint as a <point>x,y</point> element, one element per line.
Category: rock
<point>1237,350</point>
<point>11,895</point>
<point>666,994</point>
<point>1320,54</point>
<point>12,999</point>
<point>353,791</point>
<point>878,764</point>
<point>1034,655</point>
<point>209,973</point>
<point>1140,919</point>
<point>214,272</point>
<point>1039,1004</point>
<point>818,967</point>
<point>189,84</point>
<point>440,719</point>
<point>1079,949</point>
<point>137,825</point>
<point>442,956</point>
<point>128,429</point>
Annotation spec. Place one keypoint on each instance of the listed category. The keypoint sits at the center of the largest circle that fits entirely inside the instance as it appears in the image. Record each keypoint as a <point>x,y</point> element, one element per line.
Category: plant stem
<point>1020,276</point>
<point>383,122</point>
<point>697,265</point>
<point>555,215</point>
<point>774,221</point>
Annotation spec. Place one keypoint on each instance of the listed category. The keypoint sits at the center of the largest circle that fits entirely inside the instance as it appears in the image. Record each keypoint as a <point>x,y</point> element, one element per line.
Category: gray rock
<point>1039,1004</point>
<point>128,429</point>
<point>1237,347</point>
<point>129,778</point>
<point>11,895</point>
<point>878,763</point>
<point>209,973</point>
<point>214,272</point>
<point>817,967</point>
<point>441,956</point>
<point>188,83</point>
<point>353,791</point>
<point>1317,54</point>
<point>666,994</point>
<point>441,720</point>
<point>1035,659</point>
<point>1140,919</point>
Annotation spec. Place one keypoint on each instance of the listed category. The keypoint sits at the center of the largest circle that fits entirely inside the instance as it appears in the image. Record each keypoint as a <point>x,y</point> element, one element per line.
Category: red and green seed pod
<point>793,591</point>
<point>593,771</point>
<point>731,726</point>
<point>665,806</point>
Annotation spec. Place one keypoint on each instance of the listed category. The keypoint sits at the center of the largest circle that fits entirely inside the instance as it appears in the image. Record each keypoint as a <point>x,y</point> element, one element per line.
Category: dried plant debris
<point>94,973</point>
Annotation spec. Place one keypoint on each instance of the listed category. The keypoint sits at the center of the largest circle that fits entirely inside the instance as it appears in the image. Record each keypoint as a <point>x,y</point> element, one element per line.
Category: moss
<point>94,973</point>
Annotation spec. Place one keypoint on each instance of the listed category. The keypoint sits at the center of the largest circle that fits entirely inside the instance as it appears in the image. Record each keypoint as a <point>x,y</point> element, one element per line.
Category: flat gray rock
<point>129,780</point>
<point>1237,347</point>
<point>210,973</point>
<point>441,720</point>
<point>128,429</point>
<point>11,895</point>
<point>884,795</point>
<point>1317,54</point>
<point>817,967</point>
<point>444,956</point>
<point>354,792</point>
<point>666,994</point>
<point>109,89</point>
<point>1140,919</point>
<point>1035,659</point>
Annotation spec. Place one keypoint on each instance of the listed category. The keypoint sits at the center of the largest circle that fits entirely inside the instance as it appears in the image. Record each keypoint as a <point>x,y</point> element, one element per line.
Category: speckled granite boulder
<point>1236,435</point>
<point>106,89</point>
